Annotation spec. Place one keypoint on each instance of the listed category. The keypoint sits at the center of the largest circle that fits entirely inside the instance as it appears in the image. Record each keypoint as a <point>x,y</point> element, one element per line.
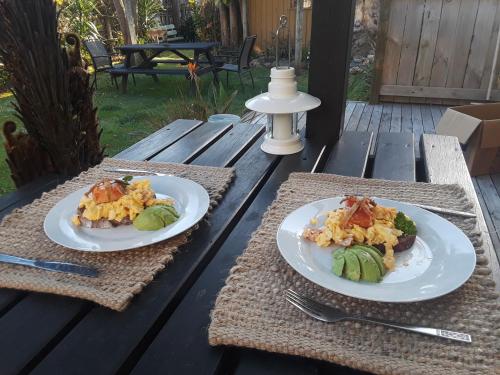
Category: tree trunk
<point>233,24</point>
<point>244,17</point>
<point>299,22</point>
<point>224,24</point>
<point>176,13</point>
<point>127,14</point>
<point>108,29</point>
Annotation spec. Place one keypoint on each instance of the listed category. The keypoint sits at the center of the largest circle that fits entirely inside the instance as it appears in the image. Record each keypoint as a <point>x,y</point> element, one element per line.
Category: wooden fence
<point>436,49</point>
<point>263,16</point>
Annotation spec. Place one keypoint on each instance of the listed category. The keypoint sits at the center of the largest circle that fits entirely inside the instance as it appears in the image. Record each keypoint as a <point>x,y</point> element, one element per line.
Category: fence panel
<point>436,49</point>
<point>263,20</point>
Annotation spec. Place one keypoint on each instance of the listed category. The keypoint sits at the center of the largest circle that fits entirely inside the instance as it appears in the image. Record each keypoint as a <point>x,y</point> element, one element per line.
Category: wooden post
<point>331,38</point>
<point>383,29</point>
<point>299,22</point>
<point>244,17</point>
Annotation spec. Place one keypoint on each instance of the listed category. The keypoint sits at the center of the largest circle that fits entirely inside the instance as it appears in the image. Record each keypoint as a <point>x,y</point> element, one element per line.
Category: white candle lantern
<point>282,103</point>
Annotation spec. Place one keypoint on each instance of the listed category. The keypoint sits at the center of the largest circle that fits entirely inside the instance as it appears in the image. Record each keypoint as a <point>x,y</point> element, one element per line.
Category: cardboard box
<point>477,127</point>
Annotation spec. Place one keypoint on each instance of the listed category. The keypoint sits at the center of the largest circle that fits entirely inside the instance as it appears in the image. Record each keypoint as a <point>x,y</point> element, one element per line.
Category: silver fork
<point>123,170</point>
<point>330,314</point>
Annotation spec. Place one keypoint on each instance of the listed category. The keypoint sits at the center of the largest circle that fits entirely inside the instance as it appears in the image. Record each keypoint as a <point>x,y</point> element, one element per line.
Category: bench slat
<point>438,153</point>
<point>395,157</point>
<point>350,155</point>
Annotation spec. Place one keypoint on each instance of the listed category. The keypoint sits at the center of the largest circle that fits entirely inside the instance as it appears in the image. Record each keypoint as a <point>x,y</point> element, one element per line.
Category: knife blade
<point>440,210</point>
<point>51,265</point>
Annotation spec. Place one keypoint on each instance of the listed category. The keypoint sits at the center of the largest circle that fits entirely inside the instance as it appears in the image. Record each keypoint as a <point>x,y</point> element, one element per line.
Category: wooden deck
<point>417,119</point>
<point>387,117</point>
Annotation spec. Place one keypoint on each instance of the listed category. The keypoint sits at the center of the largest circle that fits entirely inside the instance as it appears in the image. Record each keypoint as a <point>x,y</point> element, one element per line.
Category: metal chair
<point>243,61</point>
<point>101,60</point>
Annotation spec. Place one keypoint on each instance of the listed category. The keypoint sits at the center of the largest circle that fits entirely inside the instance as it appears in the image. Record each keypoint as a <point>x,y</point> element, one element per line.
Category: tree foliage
<point>54,96</point>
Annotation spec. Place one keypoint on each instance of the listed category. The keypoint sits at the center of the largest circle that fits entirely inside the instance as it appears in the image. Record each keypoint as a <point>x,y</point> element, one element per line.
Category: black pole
<point>331,37</point>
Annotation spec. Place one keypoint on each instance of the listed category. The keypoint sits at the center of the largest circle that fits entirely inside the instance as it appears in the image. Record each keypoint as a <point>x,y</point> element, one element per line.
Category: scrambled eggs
<point>138,196</point>
<point>381,232</point>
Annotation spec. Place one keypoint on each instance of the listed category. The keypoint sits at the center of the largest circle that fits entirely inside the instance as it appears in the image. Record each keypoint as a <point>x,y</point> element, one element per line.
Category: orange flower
<point>192,68</point>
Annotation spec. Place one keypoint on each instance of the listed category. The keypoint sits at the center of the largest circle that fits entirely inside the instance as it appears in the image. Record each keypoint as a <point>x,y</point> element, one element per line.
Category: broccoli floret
<point>405,224</point>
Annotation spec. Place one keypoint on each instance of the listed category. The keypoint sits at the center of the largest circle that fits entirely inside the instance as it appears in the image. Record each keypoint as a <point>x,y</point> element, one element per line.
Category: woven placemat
<point>122,274</point>
<point>251,310</point>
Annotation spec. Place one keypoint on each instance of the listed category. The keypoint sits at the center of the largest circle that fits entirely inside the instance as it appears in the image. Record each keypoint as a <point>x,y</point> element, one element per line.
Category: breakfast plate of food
<point>376,249</point>
<point>126,213</point>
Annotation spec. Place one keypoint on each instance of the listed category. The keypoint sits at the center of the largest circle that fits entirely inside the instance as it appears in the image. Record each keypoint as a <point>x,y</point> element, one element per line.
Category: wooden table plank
<point>193,144</point>
<point>441,152</point>
<point>187,327</point>
<point>132,329</point>
<point>263,363</point>
<point>350,155</point>
<point>395,157</point>
<point>232,145</point>
<point>159,140</point>
<point>22,345</point>
<point>28,193</point>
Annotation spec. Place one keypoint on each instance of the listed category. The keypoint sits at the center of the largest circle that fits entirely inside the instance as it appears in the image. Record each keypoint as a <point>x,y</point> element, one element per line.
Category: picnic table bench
<point>148,59</point>
<point>164,330</point>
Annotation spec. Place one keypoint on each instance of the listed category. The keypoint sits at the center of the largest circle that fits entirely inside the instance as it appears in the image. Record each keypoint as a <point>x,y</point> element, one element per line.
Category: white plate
<point>191,202</point>
<point>440,261</point>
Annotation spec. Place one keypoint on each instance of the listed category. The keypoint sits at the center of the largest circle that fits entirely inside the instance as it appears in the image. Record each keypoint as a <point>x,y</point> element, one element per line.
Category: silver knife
<point>436,209</point>
<point>125,170</point>
<point>50,266</point>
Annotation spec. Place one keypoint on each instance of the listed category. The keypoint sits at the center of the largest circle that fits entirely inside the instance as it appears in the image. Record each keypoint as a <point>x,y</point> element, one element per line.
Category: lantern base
<point>288,146</point>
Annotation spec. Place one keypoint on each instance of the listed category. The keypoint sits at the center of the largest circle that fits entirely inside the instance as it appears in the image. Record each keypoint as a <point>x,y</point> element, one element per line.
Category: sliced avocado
<point>369,268</point>
<point>373,248</point>
<point>352,268</point>
<point>376,257</point>
<point>338,262</point>
<point>171,209</point>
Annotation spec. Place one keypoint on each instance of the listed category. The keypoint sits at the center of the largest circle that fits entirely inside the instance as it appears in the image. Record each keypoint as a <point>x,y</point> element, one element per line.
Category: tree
<point>126,11</point>
<point>53,100</point>
<point>299,22</point>
<point>224,23</point>
<point>234,19</point>
<point>176,13</point>
<point>244,17</point>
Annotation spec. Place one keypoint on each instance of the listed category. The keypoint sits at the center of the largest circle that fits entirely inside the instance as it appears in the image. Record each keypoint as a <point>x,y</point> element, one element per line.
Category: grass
<point>146,107</point>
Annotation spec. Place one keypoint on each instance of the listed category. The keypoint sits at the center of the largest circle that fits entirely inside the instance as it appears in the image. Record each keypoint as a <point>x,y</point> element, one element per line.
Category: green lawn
<point>127,118</point>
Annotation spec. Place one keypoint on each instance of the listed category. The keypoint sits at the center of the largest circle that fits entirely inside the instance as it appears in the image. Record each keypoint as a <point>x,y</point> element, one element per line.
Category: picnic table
<point>164,330</point>
<point>147,64</point>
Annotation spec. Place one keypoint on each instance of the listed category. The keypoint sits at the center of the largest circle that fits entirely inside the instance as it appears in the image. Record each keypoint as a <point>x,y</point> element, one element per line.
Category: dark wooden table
<point>164,330</point>
<point>149,51</point>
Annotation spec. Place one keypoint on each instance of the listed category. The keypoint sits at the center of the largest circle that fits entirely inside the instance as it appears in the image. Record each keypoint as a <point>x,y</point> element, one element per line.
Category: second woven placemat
<point>251,310</point>
<point>122,274</point>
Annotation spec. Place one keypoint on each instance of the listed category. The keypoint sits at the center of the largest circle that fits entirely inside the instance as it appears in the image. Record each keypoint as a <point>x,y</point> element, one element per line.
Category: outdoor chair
<point>101,60</point>
<point>243,61</point>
